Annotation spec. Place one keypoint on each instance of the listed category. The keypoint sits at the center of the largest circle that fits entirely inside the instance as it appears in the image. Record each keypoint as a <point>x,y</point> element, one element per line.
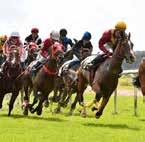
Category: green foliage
<point>61,128</point>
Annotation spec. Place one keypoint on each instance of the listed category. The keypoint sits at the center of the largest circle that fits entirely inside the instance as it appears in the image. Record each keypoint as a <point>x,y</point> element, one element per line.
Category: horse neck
<point>52,63</point>
<point>116,60</point>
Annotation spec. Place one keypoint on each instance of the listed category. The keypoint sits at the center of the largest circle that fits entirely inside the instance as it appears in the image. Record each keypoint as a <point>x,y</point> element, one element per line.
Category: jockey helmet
<point>3,38</point>
<point>63,32</point>
<point>87,36</point>
<point>34,30</point>
<point>57,47</point>
<point>32,45</point>
<point>121,25</point>
<point>15,34</point>
<point>55,35</point>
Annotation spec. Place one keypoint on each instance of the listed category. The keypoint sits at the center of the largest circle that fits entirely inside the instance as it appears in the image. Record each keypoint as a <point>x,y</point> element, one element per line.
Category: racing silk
<point>80,48</point>
<point>66,41</point>
<point>36,40</point>
<point>107,38</point>
<point>7,47</point>
<point>45,47</point>
<point>1,44</point>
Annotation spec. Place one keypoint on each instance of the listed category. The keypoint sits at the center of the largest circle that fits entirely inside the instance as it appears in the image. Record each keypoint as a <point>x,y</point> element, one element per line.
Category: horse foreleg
<point>32,110</point>
<point>12,101</point>
<point>1,100</point>
<point>102,106</point>
<point>96,101</point>
<point>40,105</point>
<point>25,104</point>
<point>73,106</point>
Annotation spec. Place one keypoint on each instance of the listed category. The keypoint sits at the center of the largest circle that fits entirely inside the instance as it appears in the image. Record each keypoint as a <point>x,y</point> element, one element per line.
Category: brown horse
<point>9,78</point>
<point>106,76</point>
<point>139,80</point>
<point>44,81</point>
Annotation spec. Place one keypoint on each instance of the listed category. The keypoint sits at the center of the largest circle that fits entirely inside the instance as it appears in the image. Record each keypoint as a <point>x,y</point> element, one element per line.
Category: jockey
<point>33,37</point>
<point>81,50</point>
<point>2,41</point>
<point>32,47</point>
<point>45,50</point>
<point>108,40</point>
<point>13,40</point>
<point>64,39</point>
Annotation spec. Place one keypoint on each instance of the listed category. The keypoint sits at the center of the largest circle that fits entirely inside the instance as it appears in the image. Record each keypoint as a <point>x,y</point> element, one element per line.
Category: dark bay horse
<point>139,80</point>
<point>69,78</point>
<point>44,81</point>
<point>106,76</point>
<point>9,78</point>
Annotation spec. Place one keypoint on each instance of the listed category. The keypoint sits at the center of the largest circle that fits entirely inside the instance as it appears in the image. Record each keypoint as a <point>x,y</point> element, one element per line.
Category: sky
<point>77,16</point>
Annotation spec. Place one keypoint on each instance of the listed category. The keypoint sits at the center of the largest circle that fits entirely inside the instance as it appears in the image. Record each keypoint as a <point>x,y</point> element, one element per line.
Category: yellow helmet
<point>121,25</point>
<point>3,38</point>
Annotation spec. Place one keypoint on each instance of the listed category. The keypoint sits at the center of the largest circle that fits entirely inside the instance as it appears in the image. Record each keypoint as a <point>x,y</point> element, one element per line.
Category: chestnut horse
<point>44,81</point>
<point>9,78</point>
<point>106,76</point>
<point>139,80</point>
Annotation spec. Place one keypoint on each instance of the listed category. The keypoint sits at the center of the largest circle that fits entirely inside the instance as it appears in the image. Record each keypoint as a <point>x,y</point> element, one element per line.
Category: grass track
<point>123,127</point>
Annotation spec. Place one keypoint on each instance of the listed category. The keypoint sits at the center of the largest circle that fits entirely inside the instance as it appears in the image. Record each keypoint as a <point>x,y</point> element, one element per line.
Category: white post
<point>115,101</point>
<point>135,101</point>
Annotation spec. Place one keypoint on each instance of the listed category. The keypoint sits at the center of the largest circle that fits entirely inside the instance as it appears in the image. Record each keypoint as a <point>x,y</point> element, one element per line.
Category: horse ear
<point>129,35</point>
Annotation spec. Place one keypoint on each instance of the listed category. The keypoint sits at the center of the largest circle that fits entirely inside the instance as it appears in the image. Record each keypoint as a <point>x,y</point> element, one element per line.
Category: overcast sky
<point>77,16</point>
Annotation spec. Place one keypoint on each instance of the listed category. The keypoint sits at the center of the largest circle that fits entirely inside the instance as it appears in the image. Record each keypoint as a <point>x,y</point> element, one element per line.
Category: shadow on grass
<point>18,116</point>
<point>113,126</point>
<point>142,120</point>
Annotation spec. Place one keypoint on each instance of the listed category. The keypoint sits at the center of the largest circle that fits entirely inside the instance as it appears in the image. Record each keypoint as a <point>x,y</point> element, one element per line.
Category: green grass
<point>123,127</point>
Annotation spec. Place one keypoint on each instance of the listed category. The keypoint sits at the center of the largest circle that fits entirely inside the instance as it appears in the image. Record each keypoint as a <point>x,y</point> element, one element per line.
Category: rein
<point>49,71</point>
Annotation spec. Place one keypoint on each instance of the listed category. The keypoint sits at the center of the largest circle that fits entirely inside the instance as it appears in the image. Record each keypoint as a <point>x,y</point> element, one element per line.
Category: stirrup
<point>88,66</point>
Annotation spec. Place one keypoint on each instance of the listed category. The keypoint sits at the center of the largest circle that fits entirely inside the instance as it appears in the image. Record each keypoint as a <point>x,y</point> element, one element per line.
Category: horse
<point>139,80</point>
<point>44,81</point>
<point>69,78</point>
<point>9,78</point>
<point>106,76</point>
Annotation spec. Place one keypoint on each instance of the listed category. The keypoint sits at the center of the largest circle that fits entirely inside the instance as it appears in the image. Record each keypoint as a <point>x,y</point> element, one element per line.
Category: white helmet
<point>15,34</point>
<point>55,35</point>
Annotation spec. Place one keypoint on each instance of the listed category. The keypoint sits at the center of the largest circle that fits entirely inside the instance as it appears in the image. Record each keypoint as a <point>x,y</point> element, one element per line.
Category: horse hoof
<point>57,110</point>
<point>1,106</point>
<point>97,115</point>
<point>46,104</point>
<point>32,110</point>
<point>94,109</point>
<point>39,112</point>
<point>83,114</point>
<point>9,114</point>
<point>25,112</point>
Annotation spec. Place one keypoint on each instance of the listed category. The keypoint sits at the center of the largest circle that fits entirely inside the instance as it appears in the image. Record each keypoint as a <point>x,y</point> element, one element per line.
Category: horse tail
<point>136,82</point>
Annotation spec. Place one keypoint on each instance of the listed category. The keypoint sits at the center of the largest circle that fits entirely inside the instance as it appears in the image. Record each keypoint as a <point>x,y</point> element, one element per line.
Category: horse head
<point>57,52</point>
<point>124,49</point>
<point>13,62</point>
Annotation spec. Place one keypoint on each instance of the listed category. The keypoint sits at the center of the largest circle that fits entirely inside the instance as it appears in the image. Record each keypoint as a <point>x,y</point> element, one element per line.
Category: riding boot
<point>95,62</point>
<point>35,68</point>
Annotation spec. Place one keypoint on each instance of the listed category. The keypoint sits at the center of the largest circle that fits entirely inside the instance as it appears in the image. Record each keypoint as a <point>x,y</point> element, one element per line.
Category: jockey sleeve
<point>106,37</point>
<point>45,49</point>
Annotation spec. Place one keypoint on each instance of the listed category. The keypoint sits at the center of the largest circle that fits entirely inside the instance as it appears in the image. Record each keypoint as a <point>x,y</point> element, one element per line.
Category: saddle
<point>93,66</point>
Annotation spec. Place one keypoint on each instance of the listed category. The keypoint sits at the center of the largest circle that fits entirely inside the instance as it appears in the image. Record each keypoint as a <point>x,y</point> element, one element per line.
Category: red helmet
<point>34,30</point>
<point>32,45</point>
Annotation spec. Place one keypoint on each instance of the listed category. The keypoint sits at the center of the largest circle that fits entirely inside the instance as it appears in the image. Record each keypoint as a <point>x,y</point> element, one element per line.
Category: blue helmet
<point>86,36</point>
